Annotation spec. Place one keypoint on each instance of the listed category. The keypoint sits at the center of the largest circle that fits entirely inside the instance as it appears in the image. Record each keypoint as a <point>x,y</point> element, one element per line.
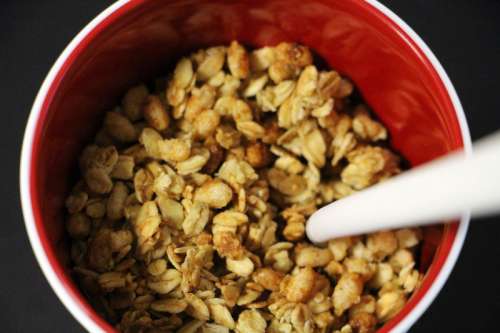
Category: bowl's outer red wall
<point>143,38</point>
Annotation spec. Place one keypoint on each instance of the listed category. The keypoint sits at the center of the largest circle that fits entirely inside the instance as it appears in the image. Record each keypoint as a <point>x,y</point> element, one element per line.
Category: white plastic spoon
<point>437,191</point>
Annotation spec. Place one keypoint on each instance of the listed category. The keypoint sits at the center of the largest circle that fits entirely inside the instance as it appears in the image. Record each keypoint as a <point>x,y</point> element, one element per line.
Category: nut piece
<point>400,259</point>
<point>345,88</point>
<point>157,267</point>
<point>367,128</point>
<point>231,293</point>
<point>155,113</point>
<point>295,54</point>
<point>120,239</point>
<point>170,305</point>
<point>215,193</point>
<point>176,97</point>
<point>268,278</point>
<point>290,58</point>
<point>98,180</point>
<point>221,315</point>
<point>76,202</point>
<point>334,269</point>
<point>211,63</point>
<point>389,304</point>
<point>124,168</point>
<point>96,208</point>
<point>347,292</point>
<point>100,158</point>
<point>111,280</point>
<point>201,99</point>
<point>196,219</point>
<point>174,150</point>
<point>151,139</point>
<point>243,267</point>
<point>250,129</point>
<point>217,156</point>
<point>298,288</point>
<point>228,245</point>
<point>312,256</point>
<point>360,266</point>
<point>363,322</point>
<point>237,60</point>
<point>206,123</point>
<point>339,247</point>
<point>116,201</point>
<point>261,59</point>
<point>280,71</point>
<point>237,173</point>
<point>100,254</point>
<point>171,211</point>
<point>119,127</point>
<point>183,73</point>
<point>78,226</point>
<point>308,80</point>
<point>195,163</point>
<point>191,327</point>
<point>230,219</point>
<point>147,221</point>
<point>314,147</point>
<point>251,321</point>
<point>143,185</point>
<point>368,165</point>
<point>408,238</point>
<point>230,86</point>
<point>382,244</point>
<point>133,100</point>
<point>286,184</point>
<point>255,86</point>
<point>227,136</point>
<point>168,281</point>
<point>383,274</point>
<point>294,231</point>
<point>196,307</point>
<point>366,305</point>
<point>258,155</point>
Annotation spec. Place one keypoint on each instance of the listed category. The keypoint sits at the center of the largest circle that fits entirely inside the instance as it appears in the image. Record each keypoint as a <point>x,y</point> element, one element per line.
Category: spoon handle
<point>439,190</point>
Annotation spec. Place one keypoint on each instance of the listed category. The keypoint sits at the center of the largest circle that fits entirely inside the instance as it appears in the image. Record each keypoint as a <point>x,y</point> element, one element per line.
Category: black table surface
<point>465,36</point>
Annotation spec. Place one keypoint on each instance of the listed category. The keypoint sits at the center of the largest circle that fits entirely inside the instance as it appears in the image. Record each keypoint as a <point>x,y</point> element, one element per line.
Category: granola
<point>191,209</point>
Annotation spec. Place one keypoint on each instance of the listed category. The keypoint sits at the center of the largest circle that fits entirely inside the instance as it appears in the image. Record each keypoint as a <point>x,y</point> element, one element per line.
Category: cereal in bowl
<point>191,209</point>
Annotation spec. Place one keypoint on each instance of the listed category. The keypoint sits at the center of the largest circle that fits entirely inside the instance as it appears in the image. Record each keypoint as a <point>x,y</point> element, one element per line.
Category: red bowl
<point>135,40</point>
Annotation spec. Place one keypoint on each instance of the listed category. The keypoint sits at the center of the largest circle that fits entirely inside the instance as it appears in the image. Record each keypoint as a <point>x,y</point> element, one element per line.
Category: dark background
<point>464,35</point>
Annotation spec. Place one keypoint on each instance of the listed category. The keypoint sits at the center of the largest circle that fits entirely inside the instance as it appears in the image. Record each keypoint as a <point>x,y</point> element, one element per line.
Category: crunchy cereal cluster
<point>190,214</point>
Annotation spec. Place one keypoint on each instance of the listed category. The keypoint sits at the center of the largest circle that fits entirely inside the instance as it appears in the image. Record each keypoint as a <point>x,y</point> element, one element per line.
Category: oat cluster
<point>190,213</point>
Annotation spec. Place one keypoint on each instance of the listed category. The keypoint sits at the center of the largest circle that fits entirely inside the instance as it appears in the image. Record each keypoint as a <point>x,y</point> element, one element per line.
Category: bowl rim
<point>93,323</point>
